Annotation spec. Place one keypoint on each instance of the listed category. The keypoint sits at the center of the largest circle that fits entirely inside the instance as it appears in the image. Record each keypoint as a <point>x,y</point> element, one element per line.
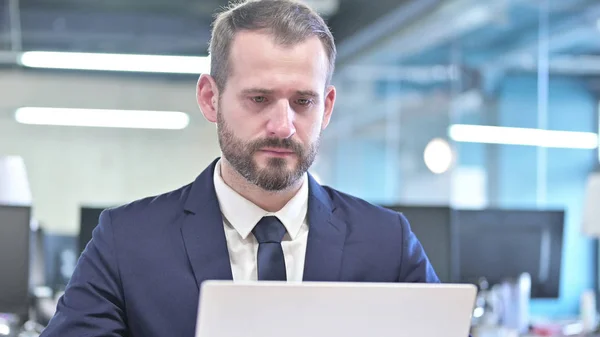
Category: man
<point>255,213</point>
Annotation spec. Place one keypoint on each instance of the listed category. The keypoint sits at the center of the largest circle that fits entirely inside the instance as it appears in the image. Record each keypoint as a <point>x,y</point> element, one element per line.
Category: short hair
<point>290,22</point>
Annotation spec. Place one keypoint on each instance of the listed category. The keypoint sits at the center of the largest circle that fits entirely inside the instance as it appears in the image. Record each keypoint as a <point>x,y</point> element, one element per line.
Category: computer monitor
<point>432,225</point>
<point>37,266</point>
<point>500,244</point>
<point>89,217</point>
<point>60,259</point>
<point>14,259</point>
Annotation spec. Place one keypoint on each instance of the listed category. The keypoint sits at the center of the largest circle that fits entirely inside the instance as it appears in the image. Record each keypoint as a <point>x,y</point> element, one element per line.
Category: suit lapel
<point>203,232</point>
<point>206,245</point>
<point>326,237</point>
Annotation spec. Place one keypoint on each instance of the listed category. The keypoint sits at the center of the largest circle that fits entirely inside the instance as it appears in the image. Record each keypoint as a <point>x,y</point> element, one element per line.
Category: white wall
<point>70,166</point>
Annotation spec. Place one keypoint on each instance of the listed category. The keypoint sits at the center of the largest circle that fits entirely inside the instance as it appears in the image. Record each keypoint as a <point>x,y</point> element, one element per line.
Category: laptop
<point>334,309</point>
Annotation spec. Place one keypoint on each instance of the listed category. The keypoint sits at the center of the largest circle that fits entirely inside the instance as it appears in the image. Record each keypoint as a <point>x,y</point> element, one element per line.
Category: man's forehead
<point>245,40</point>
<point>275,91</point>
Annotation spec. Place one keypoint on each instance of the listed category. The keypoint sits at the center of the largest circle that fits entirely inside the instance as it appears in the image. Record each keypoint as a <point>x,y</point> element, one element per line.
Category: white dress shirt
<point>240,216</point>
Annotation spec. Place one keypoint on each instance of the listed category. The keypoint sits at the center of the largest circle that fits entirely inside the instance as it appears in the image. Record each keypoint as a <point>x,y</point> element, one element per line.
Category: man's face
<point>273,109</point>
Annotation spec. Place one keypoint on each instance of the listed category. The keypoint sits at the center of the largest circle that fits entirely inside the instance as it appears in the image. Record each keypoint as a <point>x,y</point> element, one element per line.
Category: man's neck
<point>268,200</point>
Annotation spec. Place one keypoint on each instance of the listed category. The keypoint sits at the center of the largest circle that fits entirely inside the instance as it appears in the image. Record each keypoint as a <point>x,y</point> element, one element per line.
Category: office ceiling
<point>480,39</point>
<point>480,31</point>
<point>144,26</point>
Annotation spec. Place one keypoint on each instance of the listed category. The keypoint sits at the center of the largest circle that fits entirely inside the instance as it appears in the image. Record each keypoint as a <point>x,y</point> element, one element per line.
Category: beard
<point>276,176</point>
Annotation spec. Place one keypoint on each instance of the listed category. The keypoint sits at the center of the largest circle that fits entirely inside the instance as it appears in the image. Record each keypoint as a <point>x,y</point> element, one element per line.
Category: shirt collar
<point>243,215</point>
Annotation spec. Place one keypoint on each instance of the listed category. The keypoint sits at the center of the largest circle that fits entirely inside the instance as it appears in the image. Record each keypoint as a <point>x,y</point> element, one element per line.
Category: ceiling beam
<point>563,35</point>
<point>351,48</point>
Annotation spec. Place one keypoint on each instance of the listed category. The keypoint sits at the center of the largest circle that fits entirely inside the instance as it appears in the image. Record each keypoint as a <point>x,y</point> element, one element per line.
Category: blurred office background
<point>447,105</point>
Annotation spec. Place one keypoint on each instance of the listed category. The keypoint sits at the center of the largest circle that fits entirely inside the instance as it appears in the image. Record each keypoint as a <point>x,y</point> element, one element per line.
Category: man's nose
<point>281,123</point>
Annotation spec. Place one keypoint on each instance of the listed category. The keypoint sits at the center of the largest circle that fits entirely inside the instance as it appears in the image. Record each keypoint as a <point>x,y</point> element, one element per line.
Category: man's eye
<point>303,101</point>
<point>259,99</point>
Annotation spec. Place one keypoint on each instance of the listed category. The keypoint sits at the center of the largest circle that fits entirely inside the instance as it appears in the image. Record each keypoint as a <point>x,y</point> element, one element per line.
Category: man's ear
<point>207,96</point>
<point>329,104</point>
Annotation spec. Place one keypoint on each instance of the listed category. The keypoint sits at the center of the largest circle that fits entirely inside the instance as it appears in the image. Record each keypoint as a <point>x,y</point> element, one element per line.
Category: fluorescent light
<point>438,156</point>
<point>522,136</point>
<point>4,329</point>
<point>135,119</point>
<point>116,62</point>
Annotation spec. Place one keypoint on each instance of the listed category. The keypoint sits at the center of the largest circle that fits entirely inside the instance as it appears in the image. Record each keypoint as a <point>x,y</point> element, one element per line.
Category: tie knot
<point>269,230</point>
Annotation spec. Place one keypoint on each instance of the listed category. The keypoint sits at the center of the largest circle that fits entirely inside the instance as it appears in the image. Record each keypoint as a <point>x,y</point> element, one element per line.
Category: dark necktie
<point>271,264</point>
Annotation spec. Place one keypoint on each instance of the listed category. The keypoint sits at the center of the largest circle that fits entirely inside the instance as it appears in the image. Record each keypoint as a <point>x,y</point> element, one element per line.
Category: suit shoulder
<point>357,207</point>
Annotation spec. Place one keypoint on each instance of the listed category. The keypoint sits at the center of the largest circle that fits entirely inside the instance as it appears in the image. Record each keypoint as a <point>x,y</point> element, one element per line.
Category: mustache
<point>276,142</point>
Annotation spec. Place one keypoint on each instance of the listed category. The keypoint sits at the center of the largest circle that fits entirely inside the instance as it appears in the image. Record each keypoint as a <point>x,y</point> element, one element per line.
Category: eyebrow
<point>308,93</point>
<point>262,91</point>
<point>257,91</point>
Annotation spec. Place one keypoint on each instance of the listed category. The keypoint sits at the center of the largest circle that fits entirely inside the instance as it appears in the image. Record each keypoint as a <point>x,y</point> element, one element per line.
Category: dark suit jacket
<point>140,274</point>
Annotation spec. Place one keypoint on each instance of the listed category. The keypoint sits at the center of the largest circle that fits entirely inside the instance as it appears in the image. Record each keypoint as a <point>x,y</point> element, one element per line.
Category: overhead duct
<point>414,104</point>
<point>447,21</point>
<point>350,49</point>
<point>563,35</point>
<point>582,65</point>
<point>429,74</point>
<point>406,104</point>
